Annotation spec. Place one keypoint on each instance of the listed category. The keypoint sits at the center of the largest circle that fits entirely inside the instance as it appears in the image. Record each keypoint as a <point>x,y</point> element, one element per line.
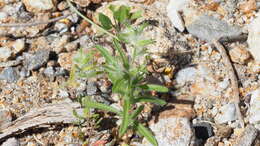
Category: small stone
<point>210,28</point>
<point>91,88</point>
<point>254,38</point>
<point>82,3</point>
<point>239,55</point>
<point>24,72</point>
<point>227,114</point>
<point>254,112</point>
<point>59,43</point>
<point>49,72</point>
<point>65,60</point>
<point>5,53</point>
<point>186,75</point>
<point>72,46</point>
<point>37,6</point>
<point>37,60</point>
<point>5,118</point>
<point>10,74</point>
<point>61,27</point>
<point>171,131</point>
<point>62,5</point>
<point>223,131</point>
<point>173,12</point>
<point>11,142</point>
<point>18,45</point>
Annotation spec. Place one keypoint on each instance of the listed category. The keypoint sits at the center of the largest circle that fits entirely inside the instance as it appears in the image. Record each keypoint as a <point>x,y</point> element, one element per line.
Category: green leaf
<point>109,58</point>
<point>121,53</point>
<point>146,133</point>
<point>142,43</point>
<point>153,87</point>
<point>105,21</point>
<point>119,86</point>
<point>151,100</point>
<point>112,8</point>
<point>96,105</point>
<point>136,112</point>
<point>126,118</point>
<point>136,15</point>
<point>122,14</point>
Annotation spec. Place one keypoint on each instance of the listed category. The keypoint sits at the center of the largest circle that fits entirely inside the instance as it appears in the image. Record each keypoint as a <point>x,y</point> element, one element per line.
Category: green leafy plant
<point>123,68</point>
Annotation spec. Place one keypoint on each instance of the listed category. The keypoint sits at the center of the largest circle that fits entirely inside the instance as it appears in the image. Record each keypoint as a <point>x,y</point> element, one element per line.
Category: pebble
<point>18,45</point>
<point>254,38</point>
<point>254,112</point>
<point>239,55</point>
<point>59,43</point>
<point>10,74</point>
<point>186,75</point>
<point>227,114</point>
<point>173,12</point>
<point>65,60</point>
<point>5,117</point>
<point>37,6</point>
<point>49,72</point>
<point>209,28</point>
<point>171,131</point>
<point>11,142</point>
<point>82,3</point>
<point>91,88</point>
<point>36,61</point>
<point>5,53</point>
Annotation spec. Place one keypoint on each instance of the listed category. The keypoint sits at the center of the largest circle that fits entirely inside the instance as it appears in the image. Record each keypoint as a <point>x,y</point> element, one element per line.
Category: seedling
<point>122,69</point>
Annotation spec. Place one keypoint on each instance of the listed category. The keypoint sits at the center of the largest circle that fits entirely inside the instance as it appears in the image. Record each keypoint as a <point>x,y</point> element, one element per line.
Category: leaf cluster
<point>126,75</point>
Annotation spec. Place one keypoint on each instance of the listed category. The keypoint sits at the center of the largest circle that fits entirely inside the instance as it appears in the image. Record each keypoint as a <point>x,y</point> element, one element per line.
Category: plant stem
<point>90,21</point>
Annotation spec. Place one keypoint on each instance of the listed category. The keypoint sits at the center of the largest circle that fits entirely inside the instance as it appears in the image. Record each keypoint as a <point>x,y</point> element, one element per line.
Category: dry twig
<point>233,78</point>
<point>42,117</point>
<point>33,23</point>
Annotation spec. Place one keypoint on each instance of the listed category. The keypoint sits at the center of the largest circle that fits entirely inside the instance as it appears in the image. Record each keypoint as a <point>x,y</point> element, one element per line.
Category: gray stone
<point>91,88</point>
<point>186,75</point>
<point>5,53</point>
<point>10,74</point>
<point>11,142</point>
<point>36,61</point>
<point>227,114</point>
<point>209,28</point>
<point>254,112</point>
<point>49,72</point>
<point>24,73</point>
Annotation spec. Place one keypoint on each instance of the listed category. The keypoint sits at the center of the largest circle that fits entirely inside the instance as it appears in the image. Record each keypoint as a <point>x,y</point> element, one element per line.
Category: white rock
<point>173,9</point>
<point>227,114</point>
<point>11,142</point>
<point>39,5</point>
<point>172,131</point>
<point>18,45</point>
<point>5,53</point>
<point>254,111</point>
<point>254,38</point>
<point>186,75</point>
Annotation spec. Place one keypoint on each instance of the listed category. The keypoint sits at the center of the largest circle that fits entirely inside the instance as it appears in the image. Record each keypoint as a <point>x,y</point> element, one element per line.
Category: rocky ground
<point>202,109</point>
